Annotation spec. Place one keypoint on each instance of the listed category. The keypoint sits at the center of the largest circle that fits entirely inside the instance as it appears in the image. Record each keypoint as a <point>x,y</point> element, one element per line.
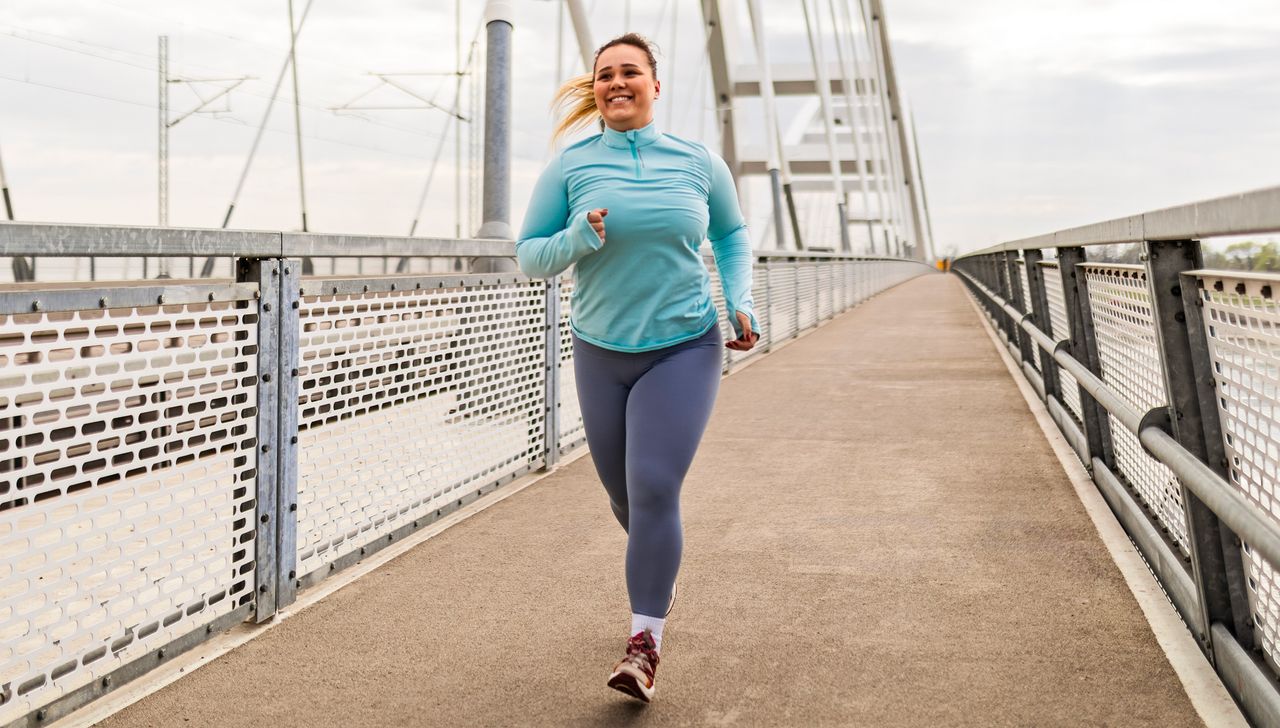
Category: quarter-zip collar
<point>631,138</point>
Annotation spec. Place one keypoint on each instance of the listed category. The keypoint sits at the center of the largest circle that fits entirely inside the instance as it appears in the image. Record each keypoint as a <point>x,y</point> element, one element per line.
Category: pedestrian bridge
<point>883,526</point>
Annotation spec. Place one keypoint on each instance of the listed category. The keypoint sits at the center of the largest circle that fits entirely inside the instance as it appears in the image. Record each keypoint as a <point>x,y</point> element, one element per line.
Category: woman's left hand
<point>748,338</point>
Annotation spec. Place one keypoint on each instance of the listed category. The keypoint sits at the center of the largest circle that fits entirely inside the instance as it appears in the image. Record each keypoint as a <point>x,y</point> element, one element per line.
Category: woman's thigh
<point>667,413</point>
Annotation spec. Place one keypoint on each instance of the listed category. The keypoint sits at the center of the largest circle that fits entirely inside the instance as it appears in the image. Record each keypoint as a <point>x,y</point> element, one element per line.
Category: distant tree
<point>1268,258</point>
<point>1115,253</point>
<point>1242,255</point>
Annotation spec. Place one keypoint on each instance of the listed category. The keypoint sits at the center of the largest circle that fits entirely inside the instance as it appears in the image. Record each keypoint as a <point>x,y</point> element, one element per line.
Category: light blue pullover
<point>646,286</point>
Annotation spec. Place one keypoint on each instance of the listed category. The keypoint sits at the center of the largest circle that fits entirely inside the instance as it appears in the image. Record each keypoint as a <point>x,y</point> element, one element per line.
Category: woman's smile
<point>624,88</point>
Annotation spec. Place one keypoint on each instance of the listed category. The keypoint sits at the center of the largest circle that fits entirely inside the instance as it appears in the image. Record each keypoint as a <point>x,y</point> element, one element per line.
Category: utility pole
<point>253,149</point>
<point>457,129</point>
<point>162,201</point>
<point>297,119</point>
<point>165,124</point>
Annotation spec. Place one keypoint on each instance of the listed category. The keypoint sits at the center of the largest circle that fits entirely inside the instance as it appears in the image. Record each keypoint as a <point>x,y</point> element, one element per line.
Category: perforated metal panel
<point>760,290</point>
<point>126,486</point>
<point>807,284</point>
<point>1025,283</point>
<point>1242,324</point>
<point>1060,328</point>
<point>1130,359</point>
<point>782,302</point>
<point>410,399</point>
<point>572,433</point>
<point>826,290</point>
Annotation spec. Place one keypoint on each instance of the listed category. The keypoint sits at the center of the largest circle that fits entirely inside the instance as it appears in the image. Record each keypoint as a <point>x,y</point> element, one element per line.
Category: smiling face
<point>625,88</point>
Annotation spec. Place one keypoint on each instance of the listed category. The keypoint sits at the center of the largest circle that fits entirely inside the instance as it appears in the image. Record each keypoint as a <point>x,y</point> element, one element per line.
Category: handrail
<point>1208,534</point>
<point>1221,497</point>
<point>1243,214</point>
<point>67,240</point>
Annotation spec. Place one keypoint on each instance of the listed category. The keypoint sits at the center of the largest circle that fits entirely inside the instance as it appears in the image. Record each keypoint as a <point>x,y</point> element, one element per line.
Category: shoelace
<point>642,653</point>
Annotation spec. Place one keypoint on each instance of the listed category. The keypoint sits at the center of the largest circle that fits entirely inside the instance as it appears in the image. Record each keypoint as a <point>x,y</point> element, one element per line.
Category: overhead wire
<point>247,91</point>
<point>151,106</point>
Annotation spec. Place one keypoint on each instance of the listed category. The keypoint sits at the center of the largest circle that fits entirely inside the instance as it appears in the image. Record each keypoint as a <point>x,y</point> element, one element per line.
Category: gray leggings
<point>644,415</point>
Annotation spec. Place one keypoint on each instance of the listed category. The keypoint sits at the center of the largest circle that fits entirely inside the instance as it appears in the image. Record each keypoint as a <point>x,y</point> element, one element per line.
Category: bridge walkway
<point>877,533</point>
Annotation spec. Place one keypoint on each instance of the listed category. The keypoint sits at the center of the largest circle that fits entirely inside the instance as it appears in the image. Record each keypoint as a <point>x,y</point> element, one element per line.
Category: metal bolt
<point>211,298</point>
<point>266,448</point>
<point>293,440</point>
<point>35,305</point>
<point>160,298</point>
<point>393,286</point>
<point>366,289</point>
<point>363,550</point>
<point>263,589</point>
<point>266,307</point>
<point>106,681</point>
<point>160,654</point>
<point>42,714</point>
<point>208,629</point>
<point>293,574</point>
<point>295,371</point>
<point>102,302</point>
<point>295,305</point>
<point>293,507</point>
<point>265,517</point>
<point>286,271</point>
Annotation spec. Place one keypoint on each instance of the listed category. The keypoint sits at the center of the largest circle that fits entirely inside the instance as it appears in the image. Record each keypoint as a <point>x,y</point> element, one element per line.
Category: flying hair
<point>576,99</point>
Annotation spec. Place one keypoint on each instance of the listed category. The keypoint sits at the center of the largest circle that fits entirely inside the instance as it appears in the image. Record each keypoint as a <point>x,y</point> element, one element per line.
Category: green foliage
<point>1245,255</point>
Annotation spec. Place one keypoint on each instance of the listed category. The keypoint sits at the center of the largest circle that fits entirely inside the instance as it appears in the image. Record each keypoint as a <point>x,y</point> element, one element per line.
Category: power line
<point>274,49</point>
<point>150,106</point>
<point>151,68</point>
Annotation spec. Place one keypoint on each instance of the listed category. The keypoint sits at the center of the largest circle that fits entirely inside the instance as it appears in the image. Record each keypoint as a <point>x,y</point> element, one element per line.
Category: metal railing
<point>1165,379</point>
<point>179,456</point>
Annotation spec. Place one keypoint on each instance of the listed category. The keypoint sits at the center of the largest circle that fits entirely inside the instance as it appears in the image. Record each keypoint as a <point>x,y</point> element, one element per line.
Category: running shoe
<point>633,675</point>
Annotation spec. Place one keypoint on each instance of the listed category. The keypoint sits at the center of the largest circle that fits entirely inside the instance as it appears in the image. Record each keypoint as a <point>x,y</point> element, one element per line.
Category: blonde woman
<point>646,343</point>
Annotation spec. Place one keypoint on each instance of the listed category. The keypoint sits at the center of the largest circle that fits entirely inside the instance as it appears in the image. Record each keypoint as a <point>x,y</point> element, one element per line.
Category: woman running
<point>645,337</point>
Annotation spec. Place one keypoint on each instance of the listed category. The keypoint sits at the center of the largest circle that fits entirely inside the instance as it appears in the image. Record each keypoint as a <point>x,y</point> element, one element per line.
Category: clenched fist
<point>596,218</point>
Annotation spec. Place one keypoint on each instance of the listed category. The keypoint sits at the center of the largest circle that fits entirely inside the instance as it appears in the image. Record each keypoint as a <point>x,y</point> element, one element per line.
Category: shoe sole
<point>627,683</point>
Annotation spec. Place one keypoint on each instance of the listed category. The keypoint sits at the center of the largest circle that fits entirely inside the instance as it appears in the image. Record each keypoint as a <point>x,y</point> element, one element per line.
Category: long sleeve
<point>730,244</point>
<point>549,241</point>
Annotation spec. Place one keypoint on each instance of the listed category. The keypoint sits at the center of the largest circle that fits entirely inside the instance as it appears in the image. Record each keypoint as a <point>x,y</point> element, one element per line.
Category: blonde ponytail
<point>577,101</point>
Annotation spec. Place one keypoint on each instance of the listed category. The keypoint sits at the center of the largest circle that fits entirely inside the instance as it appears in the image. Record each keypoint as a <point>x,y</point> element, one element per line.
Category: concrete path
<point>877,534</point>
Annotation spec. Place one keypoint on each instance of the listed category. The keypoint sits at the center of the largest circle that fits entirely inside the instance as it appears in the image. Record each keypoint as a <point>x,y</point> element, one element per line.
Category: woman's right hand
<point>596,218</point>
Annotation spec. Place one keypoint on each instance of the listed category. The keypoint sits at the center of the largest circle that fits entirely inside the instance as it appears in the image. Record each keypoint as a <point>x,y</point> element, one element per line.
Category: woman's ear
<point>657,88</point>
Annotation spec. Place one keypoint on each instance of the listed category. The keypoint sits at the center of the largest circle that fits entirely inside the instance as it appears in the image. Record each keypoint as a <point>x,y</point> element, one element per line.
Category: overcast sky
<point>1032,116</point>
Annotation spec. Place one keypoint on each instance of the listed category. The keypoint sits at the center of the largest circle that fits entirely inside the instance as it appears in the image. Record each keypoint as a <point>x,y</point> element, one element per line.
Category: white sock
<point>640,623</point>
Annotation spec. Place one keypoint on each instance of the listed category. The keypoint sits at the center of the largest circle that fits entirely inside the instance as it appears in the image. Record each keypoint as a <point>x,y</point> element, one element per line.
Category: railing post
<point>1084,347</point>
<point>265,272</point>
<point>993,283</point>
<point>1001,264</point>
<point>551,413</point>
<point>796,271</point>
<point>1039,306</point>
<point>1216,562</point>
<point>287,454</point>
<point>768,305</point>
<point>1018,299</point>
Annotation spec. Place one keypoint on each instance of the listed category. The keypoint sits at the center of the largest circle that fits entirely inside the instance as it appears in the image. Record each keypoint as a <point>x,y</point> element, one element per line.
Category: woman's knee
<point>653,489</point>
